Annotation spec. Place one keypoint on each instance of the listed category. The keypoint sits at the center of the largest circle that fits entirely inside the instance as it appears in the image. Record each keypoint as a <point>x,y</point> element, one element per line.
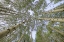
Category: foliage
<point>14,12</point>
<point>39,35</point>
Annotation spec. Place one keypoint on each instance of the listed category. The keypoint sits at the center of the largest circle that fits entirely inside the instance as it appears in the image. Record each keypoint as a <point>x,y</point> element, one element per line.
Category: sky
<point>34,34</point>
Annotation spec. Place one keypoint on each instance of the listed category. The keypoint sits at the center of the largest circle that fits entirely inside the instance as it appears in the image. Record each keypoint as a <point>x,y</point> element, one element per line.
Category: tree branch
<point>56,30</point>
<point>53,19</point>
<point>22,35</point>
<point>53,11</point>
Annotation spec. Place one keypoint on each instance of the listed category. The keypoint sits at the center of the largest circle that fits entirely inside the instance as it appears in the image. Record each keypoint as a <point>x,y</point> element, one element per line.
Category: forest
<point>31,20</point>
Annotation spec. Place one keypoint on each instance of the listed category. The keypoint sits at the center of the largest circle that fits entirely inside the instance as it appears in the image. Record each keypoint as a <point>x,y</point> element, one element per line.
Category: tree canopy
<point>19,18</point>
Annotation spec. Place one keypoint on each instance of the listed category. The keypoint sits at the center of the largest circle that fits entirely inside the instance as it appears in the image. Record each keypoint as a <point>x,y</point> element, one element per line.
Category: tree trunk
<point>5,32</point>
<point>53,19</point>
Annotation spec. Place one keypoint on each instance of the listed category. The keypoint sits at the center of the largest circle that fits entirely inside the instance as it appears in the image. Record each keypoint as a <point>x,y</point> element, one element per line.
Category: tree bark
<point>53,19</point>
<point>7,31</point>
<point>53,11</point>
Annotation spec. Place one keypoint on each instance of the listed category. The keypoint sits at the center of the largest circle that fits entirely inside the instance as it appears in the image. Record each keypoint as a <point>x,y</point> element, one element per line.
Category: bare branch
<point>53,11</point>
<point>57,30</point>
<point>53,19</point>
